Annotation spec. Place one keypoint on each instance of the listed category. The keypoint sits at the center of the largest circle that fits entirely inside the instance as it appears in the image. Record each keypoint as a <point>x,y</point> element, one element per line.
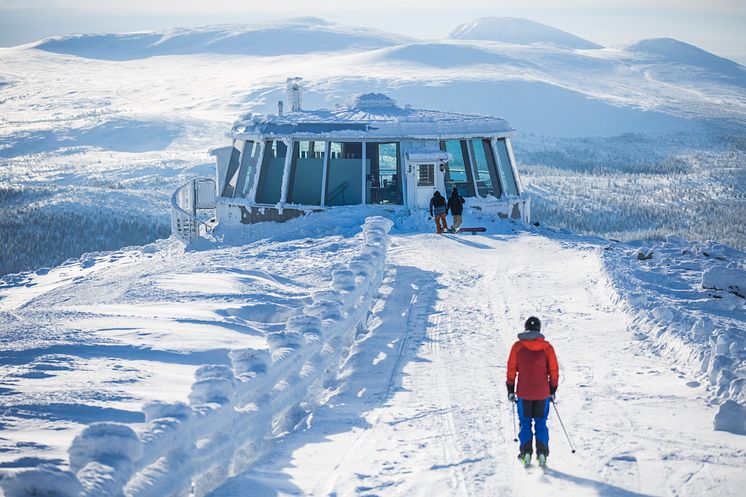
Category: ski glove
<point>511,392</point>
<point>552,393</point>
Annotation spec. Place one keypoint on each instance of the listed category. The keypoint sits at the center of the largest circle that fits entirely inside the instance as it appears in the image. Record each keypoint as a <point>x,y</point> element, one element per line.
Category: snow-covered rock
<point>731,417</point>
<point>725,279</point>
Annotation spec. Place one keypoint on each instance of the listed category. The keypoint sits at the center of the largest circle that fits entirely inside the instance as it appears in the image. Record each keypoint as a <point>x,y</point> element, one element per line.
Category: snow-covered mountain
<point>520,32</point>
<point>295,36</point>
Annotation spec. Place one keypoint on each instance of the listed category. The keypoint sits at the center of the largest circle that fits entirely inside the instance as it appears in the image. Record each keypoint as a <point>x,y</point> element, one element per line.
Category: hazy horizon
<point>717,29</point>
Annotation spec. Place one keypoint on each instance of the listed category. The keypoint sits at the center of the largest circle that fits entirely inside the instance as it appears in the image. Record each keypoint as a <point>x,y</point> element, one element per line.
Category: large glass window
<point>270,177</point>
<point>485,170</point>
<point>247,170</point>
<point>345,176</point>
<point>383,173</point>
<point>458,171</point>
<point>231,173</point>
<point>306,173</point>
<point>506,171</point>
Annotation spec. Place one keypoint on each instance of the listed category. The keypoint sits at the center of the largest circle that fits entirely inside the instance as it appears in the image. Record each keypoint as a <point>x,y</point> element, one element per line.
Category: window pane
<point>383,173</point>
<point>486,173</point>
<point>248,168</point>
<point>506,171</point>
<point>270,178</point>
<point>426,175</point>
<point>458,174</point>
<point>345,176</point>
<point>231,173</point>
<point>306,173</point>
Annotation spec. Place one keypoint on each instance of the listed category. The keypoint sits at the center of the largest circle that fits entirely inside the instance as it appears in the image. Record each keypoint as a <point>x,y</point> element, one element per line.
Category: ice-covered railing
<point>187,201</point>
<point>233,412</point>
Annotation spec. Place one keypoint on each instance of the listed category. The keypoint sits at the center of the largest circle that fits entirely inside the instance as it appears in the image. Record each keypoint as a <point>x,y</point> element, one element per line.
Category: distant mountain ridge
<point>519,32</point>
<point>671,51</point>
<point>292,36</point>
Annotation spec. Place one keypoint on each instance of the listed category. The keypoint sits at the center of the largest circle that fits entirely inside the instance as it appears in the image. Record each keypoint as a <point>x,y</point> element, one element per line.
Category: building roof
<point>370,116</point>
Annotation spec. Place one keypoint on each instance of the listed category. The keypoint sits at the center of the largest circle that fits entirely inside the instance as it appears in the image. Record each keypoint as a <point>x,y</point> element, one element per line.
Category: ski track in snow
<point>424,411</point>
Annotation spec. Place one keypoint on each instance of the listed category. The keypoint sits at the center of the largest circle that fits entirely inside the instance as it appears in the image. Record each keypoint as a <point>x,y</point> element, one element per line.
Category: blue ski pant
<point>533,412</point>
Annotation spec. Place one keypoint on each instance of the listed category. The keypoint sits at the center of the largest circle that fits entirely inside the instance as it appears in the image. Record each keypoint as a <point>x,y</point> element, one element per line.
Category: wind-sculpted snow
<point>689,305</point>
<point>233,408</point>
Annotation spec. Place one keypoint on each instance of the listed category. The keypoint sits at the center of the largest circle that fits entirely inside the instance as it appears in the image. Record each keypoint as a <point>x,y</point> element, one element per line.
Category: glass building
<point>370,152</point>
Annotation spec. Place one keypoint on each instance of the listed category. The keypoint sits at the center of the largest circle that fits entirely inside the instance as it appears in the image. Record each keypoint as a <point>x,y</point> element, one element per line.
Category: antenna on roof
<point>294,93</point>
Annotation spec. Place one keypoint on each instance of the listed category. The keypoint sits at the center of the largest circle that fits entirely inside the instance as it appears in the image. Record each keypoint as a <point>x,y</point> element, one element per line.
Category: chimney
<point>279,108</point>
<point>294,93</point>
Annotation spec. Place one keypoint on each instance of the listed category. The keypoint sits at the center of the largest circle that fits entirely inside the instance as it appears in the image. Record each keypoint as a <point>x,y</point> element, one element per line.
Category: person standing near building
<point>438,210</point>
<point>456,206</point>
<point>533,362</point>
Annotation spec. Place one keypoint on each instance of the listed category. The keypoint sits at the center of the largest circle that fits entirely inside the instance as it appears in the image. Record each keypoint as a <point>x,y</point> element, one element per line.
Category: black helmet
<point>533,324</point>
<point>455,190</point>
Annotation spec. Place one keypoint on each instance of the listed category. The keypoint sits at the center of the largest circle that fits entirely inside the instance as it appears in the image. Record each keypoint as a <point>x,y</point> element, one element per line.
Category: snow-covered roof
<point>371,116</point>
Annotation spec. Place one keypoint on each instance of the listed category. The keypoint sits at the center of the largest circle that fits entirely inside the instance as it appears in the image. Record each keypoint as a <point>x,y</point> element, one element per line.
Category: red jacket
<point>535,363</point>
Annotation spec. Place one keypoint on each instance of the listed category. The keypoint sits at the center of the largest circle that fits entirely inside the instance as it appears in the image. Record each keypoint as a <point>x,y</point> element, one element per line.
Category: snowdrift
<point>688,300</point>
<point>234,409</point>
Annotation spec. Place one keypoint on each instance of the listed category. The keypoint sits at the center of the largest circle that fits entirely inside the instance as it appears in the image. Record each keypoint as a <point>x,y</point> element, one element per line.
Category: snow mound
<point>731,417</point>
<point>295,36</point>
<point>520,32</point>
<point>110,443</point>
<point>45,480</point>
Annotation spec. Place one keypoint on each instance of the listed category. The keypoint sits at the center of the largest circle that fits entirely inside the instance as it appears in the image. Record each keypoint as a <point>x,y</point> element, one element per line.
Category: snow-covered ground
<point>414,402</point>
<point>288,359</point>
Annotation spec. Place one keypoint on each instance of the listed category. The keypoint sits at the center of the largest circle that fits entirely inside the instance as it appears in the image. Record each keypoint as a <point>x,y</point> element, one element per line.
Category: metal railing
<point>187,202</point>
<point>339,190</point>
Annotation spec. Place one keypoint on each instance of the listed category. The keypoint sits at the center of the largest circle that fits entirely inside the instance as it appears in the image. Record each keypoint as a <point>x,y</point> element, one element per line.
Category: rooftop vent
<point>294,93</point>
<point>371,101</point>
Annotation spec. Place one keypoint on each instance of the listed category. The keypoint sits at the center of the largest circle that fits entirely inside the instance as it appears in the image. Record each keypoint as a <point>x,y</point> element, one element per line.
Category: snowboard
<point>473,231</point>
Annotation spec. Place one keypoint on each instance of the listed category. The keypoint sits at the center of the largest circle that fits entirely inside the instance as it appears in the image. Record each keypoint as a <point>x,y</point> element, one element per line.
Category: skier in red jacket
<point>533,361</point>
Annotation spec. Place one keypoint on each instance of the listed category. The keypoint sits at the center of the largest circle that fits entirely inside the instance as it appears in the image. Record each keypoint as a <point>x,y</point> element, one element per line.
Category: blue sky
<point>718,26</point>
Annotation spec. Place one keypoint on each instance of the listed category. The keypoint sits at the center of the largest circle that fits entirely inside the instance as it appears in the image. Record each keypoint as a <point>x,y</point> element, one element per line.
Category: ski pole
<point>515,435</point>
<point>563,427</point>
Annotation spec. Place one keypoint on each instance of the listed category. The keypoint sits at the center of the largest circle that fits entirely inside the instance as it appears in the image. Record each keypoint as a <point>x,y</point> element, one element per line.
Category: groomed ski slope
<point>424,411</point>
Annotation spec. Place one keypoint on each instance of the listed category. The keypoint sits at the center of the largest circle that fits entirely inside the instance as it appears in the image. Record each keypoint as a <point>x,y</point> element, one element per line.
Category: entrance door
<point>428,177</point>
